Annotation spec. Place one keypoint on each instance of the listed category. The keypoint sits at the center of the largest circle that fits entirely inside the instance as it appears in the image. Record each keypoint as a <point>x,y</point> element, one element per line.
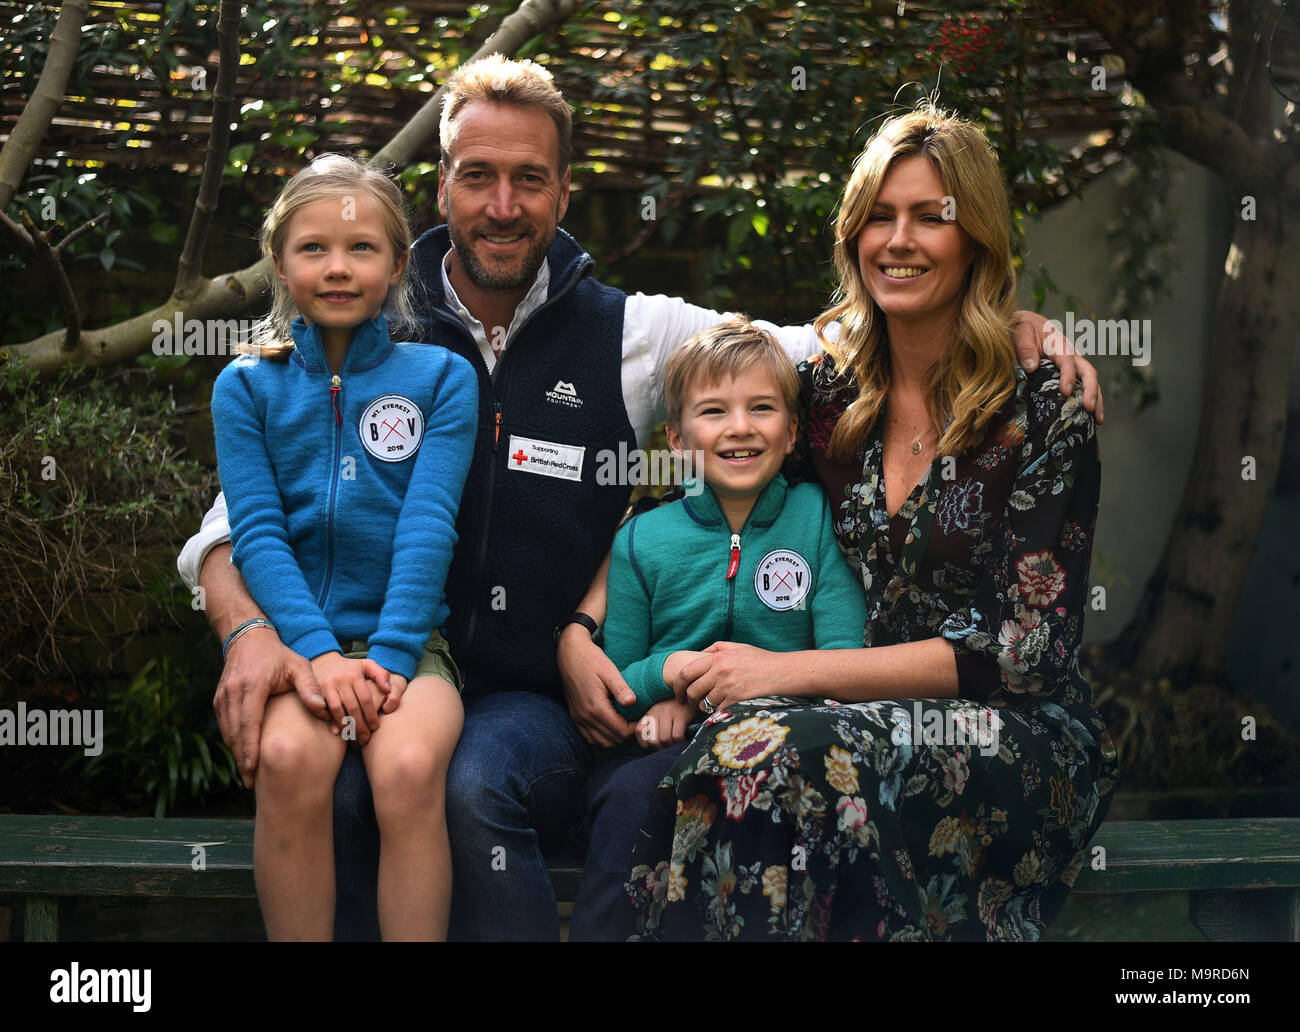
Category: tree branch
<point>233,294</point>
<point>47,258</point>
<point>531,19</point>
<point>21,146</point>
<point>189,269</point>
<point>671,200</point>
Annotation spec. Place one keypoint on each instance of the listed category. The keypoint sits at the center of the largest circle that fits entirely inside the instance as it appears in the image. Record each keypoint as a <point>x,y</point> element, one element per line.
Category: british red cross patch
<point>392,428</point>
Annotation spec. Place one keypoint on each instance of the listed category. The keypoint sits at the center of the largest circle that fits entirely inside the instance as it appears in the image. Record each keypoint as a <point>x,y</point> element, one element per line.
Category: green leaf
<point>760,221</point>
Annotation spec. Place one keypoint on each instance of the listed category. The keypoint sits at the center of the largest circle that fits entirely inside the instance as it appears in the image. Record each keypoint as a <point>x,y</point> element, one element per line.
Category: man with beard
<point>569,369</point>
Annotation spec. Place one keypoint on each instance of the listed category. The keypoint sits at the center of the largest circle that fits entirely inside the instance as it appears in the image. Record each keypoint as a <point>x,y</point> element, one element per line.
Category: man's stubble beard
<point>480,275</point>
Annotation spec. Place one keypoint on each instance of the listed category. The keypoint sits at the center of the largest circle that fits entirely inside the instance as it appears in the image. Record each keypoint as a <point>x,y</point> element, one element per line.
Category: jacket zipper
<point>733,565</point>
<point>336,386</point>
<point>497,386</point>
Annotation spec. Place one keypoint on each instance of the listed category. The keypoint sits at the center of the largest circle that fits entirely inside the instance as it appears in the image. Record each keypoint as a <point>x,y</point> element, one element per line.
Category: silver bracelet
<point>241,630</point>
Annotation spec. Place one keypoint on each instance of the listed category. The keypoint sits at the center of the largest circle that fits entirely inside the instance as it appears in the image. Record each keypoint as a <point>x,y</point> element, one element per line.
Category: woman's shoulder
<point>1047,413</point>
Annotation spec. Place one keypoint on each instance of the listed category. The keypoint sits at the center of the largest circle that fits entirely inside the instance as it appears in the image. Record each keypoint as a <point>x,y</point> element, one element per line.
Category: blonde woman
<point>942,782</point>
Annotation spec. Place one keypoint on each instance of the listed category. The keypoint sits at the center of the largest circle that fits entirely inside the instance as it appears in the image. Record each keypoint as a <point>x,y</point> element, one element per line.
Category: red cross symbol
<point>520,457</point>
<point>390,427</point>
<point>781,579</point>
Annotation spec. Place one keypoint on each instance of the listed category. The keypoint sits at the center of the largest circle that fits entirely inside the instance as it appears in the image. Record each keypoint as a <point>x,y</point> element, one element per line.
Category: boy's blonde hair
<point>499,80</point>
<point>726,350</point>
<point>329,175</point>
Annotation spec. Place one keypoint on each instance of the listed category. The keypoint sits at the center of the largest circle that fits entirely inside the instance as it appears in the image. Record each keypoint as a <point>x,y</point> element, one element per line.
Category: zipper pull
<point>734,565</point>
<point>336,385</point>
<point>496,439</point>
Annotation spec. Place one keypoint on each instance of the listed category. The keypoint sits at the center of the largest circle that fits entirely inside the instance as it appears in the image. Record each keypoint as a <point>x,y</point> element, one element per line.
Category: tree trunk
<point>1183,620</point>
<point>20,148</point>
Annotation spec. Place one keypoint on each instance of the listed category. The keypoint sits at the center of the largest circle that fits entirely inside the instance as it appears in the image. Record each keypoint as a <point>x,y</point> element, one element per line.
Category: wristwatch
<point>578,618</point>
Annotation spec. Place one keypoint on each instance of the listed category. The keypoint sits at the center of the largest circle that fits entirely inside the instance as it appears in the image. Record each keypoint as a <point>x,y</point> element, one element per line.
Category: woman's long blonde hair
<point>976,374</point>
<point>329,175</point>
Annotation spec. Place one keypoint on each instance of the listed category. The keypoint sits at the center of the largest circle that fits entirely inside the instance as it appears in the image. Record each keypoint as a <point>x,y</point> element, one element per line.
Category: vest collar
<point>567,261</point>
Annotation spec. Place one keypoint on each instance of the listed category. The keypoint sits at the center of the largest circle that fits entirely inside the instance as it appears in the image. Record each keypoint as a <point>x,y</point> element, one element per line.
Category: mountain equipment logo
<point>564,394</point>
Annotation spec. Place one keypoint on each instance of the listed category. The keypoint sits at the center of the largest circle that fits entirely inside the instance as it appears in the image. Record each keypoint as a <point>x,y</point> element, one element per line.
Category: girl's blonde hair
<point>976,374</point>
<point>329,175</point>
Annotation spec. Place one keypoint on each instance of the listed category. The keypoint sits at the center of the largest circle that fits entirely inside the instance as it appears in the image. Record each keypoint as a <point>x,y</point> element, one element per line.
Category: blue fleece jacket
<point>343,504</point>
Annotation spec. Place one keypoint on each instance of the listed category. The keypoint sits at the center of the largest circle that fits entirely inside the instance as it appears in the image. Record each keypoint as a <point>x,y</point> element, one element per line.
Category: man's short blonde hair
<point>500,80</point>
<point>727,349</point>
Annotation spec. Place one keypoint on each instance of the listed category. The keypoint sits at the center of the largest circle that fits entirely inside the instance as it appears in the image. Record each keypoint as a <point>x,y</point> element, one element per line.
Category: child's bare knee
<point>411,780</point>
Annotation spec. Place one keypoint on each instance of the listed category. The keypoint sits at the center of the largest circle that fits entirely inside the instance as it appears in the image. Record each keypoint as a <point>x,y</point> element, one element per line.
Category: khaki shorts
<point>436,661</point>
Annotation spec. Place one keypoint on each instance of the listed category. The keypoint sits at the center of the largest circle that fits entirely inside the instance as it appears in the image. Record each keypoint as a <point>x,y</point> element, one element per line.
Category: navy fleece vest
<point>529,543</point>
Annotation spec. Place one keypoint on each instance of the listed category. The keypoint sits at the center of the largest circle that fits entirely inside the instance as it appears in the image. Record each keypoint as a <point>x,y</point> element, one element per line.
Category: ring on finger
<point>707,706</point>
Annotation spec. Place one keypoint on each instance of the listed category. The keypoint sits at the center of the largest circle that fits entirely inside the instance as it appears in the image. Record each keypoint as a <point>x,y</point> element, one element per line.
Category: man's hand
<point>257,667</point>
<point>664,723</point>
<point>1034,339</point>
<point>348,686</point>
<point>590,679</point>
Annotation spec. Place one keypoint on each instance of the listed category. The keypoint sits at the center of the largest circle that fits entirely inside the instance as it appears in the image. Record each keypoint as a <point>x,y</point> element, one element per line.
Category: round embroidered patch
<point>783,579</point>
<point>392,428</point>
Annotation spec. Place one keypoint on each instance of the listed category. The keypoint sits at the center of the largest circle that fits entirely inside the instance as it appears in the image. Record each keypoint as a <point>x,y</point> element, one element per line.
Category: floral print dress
<point>963,818</point>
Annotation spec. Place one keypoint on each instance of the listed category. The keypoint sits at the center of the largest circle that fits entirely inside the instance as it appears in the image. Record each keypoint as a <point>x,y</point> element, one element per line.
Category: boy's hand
<point>673,667</point>
<point>349,687</point>
<point>664,723</point>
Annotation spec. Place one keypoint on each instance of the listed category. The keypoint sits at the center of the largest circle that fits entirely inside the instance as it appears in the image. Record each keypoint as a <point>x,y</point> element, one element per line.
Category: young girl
<point>343,456</point>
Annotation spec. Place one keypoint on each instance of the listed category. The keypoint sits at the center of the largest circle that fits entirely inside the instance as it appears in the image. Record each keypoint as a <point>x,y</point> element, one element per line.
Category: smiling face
<point>338,262</point>
<point>742,430</point>
<point>503,193</point>
<point>912,260</point>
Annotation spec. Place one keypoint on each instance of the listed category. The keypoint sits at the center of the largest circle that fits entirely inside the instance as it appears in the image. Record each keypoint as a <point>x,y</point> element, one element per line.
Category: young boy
<point>747,558</point>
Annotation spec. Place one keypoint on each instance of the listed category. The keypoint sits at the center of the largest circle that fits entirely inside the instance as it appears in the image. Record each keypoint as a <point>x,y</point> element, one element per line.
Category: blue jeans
<point>618,792</point>
<point>515,785</point>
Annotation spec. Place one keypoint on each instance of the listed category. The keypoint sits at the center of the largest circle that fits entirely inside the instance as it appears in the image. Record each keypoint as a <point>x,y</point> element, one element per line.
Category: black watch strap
<point>579,618</point>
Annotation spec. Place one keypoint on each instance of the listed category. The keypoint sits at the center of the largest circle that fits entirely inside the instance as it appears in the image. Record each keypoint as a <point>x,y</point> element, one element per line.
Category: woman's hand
<point>349,687</point>
<point>727,672</point>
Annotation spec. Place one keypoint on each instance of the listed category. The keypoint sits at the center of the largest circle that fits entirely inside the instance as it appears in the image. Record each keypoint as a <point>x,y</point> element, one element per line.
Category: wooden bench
<point>1242,876</point>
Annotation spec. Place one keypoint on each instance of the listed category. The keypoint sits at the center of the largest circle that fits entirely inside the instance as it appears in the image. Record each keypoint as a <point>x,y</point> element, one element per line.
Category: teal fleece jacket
<point>670,589</point>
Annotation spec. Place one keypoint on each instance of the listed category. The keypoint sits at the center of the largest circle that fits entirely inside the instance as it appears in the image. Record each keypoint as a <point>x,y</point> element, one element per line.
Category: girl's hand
<point>396,686</point>
<point>664,723</point>
<point>727,672</point>
<point>349,689</point>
